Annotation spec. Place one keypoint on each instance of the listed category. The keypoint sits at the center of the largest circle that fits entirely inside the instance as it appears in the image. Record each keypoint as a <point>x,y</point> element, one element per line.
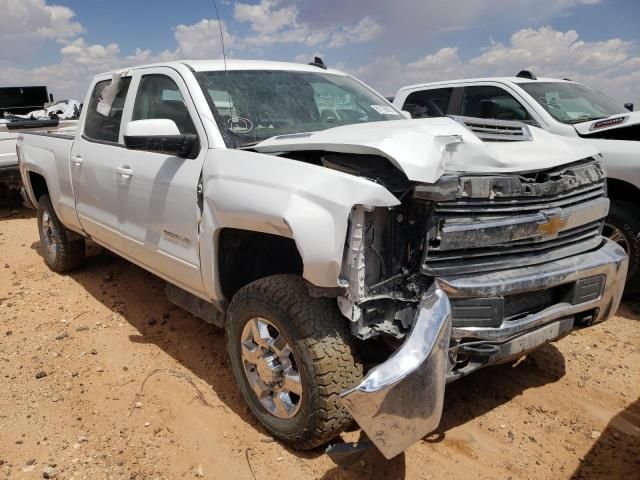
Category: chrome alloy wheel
<point>48,234</point>
<point>615,234</point>
<point>271,368</point>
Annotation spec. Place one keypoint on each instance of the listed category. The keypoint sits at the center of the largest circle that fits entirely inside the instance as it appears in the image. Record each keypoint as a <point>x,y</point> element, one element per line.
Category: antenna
<point>226,74</point>
<point>224,54</point>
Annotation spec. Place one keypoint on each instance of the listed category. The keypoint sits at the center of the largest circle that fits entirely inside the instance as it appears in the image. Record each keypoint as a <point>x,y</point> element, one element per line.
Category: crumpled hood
<point>621,120</point>
<point>426,148</point>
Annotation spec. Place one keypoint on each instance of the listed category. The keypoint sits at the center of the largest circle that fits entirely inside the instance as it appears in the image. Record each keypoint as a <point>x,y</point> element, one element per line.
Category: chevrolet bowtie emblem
<point>552,226</point>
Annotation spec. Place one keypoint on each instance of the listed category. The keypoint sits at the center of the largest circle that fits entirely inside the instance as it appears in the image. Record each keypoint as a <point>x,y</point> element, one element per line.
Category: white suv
<point>562,107</point>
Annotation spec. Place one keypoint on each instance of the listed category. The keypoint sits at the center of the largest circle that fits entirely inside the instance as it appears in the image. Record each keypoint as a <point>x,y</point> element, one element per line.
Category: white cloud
<point>26,24</point>
<point>365,30</point>
<point>265,17</point>
<point>275,23</point>
<point>80,53</point>
<point>202,40</point>
<point>611,66</point>
<point>37,18</point>
<point>80,61</point>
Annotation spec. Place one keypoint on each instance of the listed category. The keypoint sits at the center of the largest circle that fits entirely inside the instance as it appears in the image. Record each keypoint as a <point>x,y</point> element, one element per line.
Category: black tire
<point>322,350</point>
<point>60,253</point>
<point>624,220</point>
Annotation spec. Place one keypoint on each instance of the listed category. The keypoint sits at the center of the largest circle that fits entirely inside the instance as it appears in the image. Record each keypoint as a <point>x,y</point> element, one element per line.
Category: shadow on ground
<point>483,391</point>
<point>139,297</point>
<point>616,453</point>
<point>12,207</point>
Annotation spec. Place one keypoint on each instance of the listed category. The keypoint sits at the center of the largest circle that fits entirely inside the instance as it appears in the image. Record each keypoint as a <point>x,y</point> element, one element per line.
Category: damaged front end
<point>401,400</point>
<point>474,270</point>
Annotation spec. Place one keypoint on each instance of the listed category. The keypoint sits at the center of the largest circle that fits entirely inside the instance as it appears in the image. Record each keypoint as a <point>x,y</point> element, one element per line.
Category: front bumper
<point>400,401</point>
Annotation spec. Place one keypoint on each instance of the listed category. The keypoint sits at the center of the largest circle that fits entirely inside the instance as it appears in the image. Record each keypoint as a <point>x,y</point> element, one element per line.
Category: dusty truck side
<point>358,261</point>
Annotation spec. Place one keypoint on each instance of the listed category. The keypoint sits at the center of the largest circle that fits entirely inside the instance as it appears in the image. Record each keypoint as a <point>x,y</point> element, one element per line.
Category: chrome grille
<point>515,205</point>
<point>447,254</point>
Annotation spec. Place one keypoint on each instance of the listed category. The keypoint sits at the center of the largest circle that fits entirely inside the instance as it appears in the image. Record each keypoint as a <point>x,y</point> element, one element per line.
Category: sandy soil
<point>101,377</point>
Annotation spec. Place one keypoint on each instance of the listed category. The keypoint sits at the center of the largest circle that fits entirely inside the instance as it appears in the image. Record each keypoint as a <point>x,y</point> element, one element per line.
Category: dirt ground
<point>101,377</point>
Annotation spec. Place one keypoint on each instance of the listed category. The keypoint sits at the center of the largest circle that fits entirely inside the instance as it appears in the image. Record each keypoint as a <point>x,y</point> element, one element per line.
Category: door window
<point>428,103</point>
<point>487,101</point>
<point>103,121</point>
<point>159,98</point>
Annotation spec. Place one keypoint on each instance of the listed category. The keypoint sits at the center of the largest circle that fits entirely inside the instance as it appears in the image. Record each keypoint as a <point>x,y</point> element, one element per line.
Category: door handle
<point>126,172</point>
<point>77,160</point>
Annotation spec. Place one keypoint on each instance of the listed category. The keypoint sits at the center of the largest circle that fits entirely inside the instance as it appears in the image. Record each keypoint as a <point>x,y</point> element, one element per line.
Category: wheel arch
<point>622,190</point>
<point>37,186</point>
<point>245,256</point>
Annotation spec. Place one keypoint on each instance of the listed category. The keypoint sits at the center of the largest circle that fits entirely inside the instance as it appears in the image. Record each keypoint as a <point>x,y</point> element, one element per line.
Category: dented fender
<point>276,195</point>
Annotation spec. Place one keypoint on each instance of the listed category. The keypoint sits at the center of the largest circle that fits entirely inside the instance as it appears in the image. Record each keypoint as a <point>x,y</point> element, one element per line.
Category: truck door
<point>94,166</point>
<point>159,214</point>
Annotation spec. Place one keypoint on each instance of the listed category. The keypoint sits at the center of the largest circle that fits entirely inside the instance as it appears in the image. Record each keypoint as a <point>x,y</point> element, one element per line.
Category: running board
<point>194,305</point>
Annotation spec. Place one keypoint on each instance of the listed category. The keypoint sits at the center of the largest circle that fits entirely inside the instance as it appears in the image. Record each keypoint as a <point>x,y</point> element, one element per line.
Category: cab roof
<point>488,79</point>
<point>219,65</point>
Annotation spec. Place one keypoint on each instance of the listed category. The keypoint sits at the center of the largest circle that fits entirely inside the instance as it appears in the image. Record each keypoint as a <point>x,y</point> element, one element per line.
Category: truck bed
<point>9,136</point>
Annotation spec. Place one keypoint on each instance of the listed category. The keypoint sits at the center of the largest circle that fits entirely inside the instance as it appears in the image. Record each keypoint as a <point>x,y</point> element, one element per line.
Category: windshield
<point>572,102</point>
<point>263,103</point>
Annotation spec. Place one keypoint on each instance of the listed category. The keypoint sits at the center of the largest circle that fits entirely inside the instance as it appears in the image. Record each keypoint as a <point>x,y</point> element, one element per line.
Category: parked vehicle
<point>16,107</point>
<point>562,107</point>
<point>357,260</point>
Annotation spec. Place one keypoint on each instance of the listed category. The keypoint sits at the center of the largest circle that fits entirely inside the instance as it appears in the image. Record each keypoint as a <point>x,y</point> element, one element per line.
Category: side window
<point>159,98</point>
<point>428,103</point>
<point>492,102</point>
<point>102,123</point>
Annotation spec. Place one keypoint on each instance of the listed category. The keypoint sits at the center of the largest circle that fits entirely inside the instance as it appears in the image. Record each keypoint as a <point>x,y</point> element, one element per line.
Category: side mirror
<point>159,135</point>
<point>406,114</point>
<point>629,106</point>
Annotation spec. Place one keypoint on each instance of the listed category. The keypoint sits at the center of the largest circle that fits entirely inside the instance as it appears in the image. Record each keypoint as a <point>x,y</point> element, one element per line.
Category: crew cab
<point>562,107</point>
<point>357,260</point>
<point>17,105</point>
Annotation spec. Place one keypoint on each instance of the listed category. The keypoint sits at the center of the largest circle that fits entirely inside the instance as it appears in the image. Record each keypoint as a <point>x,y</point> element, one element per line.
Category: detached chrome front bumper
<point>400,401</point>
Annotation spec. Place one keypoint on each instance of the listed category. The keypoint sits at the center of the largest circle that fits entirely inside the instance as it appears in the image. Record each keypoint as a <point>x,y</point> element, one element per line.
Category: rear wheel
<point>61,253</point>
<point>623,227</point>
<point>291,356</point>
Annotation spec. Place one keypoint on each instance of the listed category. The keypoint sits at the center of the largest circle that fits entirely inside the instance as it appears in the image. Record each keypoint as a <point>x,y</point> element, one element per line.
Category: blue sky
<point>64,42</point>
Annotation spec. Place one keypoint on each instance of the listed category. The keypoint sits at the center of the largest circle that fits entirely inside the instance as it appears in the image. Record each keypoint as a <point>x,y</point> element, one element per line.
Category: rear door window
<point>103,124</point>
<point>428,103</point>
<point>488,101</point>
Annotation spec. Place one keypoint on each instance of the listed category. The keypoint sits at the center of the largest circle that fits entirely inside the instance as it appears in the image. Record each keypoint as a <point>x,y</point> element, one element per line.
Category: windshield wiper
<point>585,119</point>
<point>251,144</point>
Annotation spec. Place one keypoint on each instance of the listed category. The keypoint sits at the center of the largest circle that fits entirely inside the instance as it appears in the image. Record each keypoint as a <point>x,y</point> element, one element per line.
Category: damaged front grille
<point>503,221</point>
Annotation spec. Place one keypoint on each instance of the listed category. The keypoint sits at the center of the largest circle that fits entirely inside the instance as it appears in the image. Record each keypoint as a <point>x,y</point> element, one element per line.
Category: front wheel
<point>60,251</point>
<point>623,227</point>
<point>291,355</point>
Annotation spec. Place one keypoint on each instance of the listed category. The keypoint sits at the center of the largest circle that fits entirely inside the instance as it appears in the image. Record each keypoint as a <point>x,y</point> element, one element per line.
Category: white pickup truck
<point>562,107</point>
<point>358,260</point>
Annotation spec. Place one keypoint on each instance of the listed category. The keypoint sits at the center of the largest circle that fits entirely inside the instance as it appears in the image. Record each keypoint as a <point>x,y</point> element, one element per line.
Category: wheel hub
<point>270,368</point>
<point>47,233</point>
